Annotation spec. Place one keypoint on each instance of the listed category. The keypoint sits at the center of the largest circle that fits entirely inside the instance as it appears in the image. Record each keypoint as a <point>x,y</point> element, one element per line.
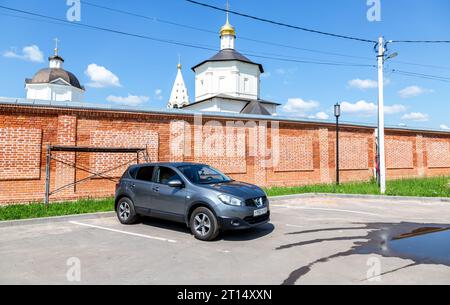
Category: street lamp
<point>337,114</point>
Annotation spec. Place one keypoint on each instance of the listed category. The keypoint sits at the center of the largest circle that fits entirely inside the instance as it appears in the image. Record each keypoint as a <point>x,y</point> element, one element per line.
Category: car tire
<point>126,212</point>
<point>204,225</point>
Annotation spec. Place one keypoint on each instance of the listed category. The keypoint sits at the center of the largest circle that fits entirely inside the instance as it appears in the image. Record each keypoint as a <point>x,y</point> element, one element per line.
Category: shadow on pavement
<point>239,235</point>
<point>421,243</point>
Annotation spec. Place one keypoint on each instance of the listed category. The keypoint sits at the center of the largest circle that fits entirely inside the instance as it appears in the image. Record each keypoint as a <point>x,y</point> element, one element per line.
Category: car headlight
<point>230,200</point>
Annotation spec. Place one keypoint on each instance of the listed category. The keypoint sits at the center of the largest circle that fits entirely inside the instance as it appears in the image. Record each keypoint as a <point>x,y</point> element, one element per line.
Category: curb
<point>13,223</point>
<point>352,196</point>
<point>23,222</point>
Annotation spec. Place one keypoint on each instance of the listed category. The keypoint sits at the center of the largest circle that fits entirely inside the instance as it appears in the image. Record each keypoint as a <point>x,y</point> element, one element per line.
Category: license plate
<point>260,212</point>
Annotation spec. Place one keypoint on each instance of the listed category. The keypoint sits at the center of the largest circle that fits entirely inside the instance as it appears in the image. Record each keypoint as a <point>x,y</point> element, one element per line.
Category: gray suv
<point>198,195</point>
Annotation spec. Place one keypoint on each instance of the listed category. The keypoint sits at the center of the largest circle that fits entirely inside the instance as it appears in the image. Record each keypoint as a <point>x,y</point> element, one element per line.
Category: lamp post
<point>337,114</point>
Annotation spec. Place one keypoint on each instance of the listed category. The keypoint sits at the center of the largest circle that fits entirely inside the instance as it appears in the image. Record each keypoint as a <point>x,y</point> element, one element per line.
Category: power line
<point>155,19</point>
<point>277,57</point>
<point>107,29</point>
<point>281,23</point>
<point>318,62</point>
<point>420,75</point>
<point>420,41</point>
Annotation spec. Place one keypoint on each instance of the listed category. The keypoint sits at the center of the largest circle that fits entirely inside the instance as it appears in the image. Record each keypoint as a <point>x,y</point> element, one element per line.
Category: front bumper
<point>235,223</point>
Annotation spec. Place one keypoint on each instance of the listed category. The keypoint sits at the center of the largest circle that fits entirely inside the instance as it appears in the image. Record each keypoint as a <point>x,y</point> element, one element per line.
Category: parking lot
<point>309,241</point>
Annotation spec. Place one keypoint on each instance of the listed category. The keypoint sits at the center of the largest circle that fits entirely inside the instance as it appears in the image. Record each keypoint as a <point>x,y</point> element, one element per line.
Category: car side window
<point>165,175</point>
<point>145,173</point>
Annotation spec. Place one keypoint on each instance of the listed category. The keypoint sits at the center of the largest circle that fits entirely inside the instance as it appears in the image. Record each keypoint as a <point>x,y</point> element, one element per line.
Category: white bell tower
<point>179,96</point>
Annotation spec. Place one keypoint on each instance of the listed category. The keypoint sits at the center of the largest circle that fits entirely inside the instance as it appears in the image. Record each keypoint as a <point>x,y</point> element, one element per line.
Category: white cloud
<point>445,127</point>
<point>300,107</point>
<point>320,116</point>
<point>101,77</point>
<point>280,71</point>
<point>413,91</point>
<point>158,94</point>
<point>363,108</point>
<point>416,116</point>
<point>397,108</point>
<point>363,83</point>
<point>130,100</point>
<point>30,53</point>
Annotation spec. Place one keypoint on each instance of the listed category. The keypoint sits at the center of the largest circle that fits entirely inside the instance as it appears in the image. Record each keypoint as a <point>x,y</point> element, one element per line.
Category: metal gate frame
<point>75,149</point>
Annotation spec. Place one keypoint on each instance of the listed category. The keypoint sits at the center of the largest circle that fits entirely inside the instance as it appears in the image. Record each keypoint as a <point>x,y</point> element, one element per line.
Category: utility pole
<point>381,151</point>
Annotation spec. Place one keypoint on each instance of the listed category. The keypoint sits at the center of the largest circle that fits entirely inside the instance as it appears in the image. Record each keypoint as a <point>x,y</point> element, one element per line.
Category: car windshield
<point>202,174</point>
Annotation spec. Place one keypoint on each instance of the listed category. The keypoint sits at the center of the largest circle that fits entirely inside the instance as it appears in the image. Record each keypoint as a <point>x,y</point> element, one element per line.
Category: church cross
<point>56,46</point>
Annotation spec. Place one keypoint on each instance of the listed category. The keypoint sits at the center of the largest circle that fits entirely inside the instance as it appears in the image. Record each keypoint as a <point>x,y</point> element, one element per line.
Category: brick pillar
<point>324,156</point>
<point>261,164</point>
<point>66,136</point>
<point>419,155</point>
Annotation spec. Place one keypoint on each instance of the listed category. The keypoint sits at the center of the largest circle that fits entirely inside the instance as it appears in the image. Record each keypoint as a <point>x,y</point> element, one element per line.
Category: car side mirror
<point>176,183</point>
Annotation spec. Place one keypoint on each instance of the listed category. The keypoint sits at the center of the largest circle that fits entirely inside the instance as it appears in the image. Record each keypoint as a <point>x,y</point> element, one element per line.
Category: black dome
<point>49,75</point>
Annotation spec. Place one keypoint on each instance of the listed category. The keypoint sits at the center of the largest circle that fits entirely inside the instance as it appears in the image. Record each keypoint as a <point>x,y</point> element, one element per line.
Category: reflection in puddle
<point>424,245</point>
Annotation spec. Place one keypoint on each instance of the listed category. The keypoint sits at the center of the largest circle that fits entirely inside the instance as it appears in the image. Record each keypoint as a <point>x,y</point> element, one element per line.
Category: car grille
<point>252,202</point>
<point>254,220</point>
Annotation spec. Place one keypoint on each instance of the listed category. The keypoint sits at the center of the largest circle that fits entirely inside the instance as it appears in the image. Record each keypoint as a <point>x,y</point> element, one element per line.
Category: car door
<point>143,188</point>
<point>170,202</point>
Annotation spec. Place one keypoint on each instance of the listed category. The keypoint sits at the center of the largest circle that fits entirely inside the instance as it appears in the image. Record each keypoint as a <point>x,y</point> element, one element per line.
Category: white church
<point>54,83</point>
<point>227,82</point>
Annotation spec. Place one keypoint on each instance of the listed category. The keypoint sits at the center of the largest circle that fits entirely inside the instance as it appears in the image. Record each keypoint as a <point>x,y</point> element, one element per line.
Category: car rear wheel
<point>126,212</point>
<point>204,224</point>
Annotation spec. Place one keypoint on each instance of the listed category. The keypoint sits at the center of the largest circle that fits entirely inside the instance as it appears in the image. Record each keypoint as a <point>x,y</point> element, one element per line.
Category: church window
<point>246,85</point>
<point>221,82</point>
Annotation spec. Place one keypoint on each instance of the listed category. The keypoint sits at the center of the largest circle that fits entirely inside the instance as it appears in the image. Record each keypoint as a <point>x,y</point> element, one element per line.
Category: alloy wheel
<point>202,224</point>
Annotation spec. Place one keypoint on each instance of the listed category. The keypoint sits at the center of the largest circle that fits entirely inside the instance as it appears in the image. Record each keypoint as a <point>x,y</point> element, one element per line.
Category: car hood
<point>238,189</point>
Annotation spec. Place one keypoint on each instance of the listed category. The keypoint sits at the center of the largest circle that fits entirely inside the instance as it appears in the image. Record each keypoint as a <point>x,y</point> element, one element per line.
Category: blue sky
<point>146,69</point>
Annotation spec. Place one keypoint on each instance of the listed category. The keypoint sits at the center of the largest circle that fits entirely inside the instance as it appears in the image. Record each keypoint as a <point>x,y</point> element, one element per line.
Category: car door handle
<point>156,189</point>
<point>132,186</point>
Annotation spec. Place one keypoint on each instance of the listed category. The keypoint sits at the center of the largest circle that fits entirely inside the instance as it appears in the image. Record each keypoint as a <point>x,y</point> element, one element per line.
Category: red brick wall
<point>20,153</point>
<point>244,150</point>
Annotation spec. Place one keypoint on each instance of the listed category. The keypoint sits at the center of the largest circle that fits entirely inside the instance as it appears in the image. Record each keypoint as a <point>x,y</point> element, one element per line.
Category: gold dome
<point>227,29</point>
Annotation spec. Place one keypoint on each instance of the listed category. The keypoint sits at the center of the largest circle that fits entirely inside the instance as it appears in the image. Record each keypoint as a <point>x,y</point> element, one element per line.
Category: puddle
<point>423,244</point>
<point>426,245</point>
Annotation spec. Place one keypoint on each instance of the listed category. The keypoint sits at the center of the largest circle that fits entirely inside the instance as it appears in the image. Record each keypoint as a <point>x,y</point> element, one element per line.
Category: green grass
<point>427,187</point>
<point>424,187</point>
<point>39,210</point>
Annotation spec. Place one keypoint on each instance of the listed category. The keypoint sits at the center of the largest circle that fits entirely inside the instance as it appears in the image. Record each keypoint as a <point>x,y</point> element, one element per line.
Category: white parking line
<point>326,209</point>
<point>294,226</point>
<point>123,232</point>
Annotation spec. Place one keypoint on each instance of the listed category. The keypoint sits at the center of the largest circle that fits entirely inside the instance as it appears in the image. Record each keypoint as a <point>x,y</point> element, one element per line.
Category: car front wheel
<point>126,212</point>
<point>204,224</point>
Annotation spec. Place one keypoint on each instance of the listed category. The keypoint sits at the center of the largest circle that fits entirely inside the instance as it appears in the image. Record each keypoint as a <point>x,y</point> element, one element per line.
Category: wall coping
<point>40,104</point>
